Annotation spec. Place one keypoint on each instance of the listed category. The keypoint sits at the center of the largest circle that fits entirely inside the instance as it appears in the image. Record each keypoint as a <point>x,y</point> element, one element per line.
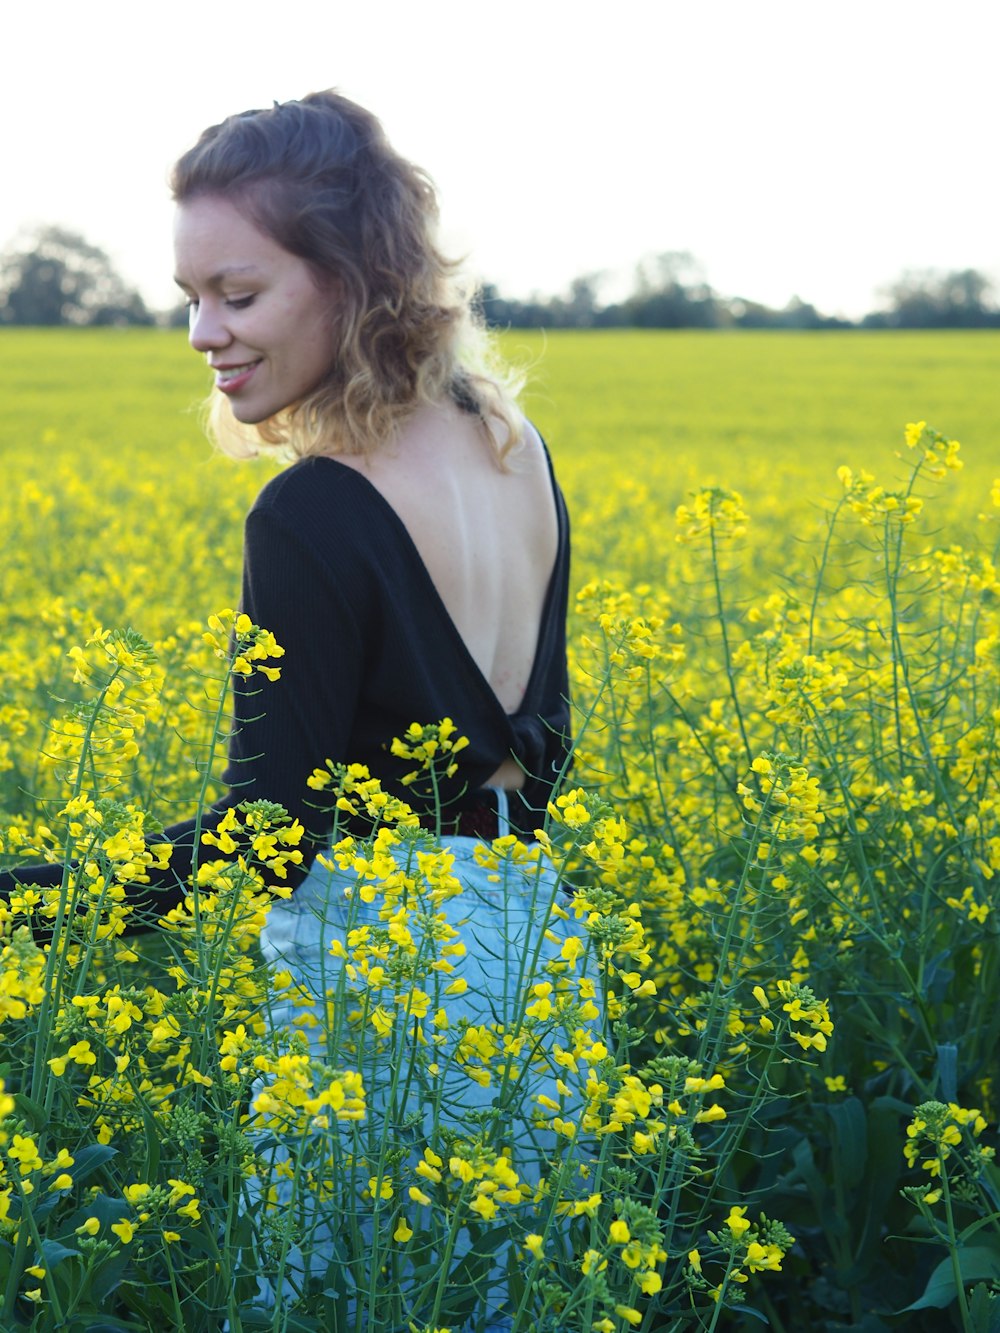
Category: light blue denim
<point>509,934</point>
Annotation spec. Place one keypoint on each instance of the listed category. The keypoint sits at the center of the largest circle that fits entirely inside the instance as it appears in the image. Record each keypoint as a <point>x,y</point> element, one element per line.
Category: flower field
<point>756,1071</point>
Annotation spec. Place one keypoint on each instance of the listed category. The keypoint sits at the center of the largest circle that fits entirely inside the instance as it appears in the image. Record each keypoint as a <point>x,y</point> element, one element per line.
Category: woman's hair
<point>320,178</point>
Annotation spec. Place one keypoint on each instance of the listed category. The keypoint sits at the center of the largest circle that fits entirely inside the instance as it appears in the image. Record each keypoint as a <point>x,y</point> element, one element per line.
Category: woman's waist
<point>491,812</point>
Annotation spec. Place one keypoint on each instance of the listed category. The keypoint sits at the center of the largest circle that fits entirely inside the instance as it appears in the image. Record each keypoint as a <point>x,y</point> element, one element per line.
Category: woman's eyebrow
<point>231,270</point>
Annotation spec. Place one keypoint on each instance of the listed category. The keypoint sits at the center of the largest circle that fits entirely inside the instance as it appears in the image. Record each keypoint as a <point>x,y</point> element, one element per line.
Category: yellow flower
<point>380,1189</point>
<point>429,1172</point>
<point>592,1262</point>
<point>24,1151</point>
<point>381,1020</point>
<point>712,1113</point>
<point>459,1167</point>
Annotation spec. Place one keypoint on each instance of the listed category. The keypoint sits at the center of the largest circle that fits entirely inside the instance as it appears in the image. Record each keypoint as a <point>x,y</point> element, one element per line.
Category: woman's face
<point>256,310</point>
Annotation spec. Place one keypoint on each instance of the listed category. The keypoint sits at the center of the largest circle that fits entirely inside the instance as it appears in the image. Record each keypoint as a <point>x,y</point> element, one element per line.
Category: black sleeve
<point>282,730</point>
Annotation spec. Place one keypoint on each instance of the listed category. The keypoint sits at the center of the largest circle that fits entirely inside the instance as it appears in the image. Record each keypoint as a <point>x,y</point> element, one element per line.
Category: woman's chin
<point>250,414</point>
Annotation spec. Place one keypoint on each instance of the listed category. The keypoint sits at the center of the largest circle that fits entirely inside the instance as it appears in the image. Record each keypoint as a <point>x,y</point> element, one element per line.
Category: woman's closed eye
<point>234,302</point>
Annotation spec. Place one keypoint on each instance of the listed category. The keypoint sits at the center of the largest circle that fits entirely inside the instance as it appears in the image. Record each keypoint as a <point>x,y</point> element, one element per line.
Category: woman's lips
<point>230,379</point>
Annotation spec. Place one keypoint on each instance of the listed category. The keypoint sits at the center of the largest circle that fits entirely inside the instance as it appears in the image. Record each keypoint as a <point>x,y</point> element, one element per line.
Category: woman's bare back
<point>488,538</point>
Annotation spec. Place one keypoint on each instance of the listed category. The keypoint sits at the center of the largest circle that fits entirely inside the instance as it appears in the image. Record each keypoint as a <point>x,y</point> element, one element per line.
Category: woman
<point>412,561</point>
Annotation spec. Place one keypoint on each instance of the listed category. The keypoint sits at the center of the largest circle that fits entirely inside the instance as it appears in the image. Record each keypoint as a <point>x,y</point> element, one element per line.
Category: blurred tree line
<point>53,276</point>
<point>670,291</point>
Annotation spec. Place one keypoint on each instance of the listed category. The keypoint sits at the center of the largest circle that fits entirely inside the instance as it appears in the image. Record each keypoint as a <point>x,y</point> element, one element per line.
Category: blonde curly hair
<point>320,178</point>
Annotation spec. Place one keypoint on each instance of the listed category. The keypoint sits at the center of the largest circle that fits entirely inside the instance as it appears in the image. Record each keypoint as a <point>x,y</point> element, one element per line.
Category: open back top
<point>331,570</point>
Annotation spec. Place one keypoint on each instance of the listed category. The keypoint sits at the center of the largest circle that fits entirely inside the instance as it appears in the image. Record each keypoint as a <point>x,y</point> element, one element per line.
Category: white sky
<point>804,147</point>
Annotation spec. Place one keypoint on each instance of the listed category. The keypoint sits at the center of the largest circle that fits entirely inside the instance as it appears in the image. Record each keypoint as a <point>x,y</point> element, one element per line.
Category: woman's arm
<point>281,730</point>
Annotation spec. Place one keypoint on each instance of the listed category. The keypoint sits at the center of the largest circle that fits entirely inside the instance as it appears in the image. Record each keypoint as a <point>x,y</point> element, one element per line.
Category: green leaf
<point>877,1190</point>
<point>39,1211</point>
<point>106,1208</point>
<point>851,1140</point>
<point>32,1111</point>
<point>152,1137</point>
<point>984,1313</point>
<point>54,1253</point>
<point>87,1160</point>
<point>977,1263</point>
<point>103,1326</point>
<point>469,1279</point>
<point>805,1165</point>
<point>947,1071</point>
<point>297,1323</point>
<point>834,1223</point>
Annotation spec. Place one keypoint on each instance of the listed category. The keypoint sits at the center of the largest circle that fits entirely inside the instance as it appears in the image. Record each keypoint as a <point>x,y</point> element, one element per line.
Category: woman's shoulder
<point>317,499</point>
<point>309,483</point>
<point>328,512</point>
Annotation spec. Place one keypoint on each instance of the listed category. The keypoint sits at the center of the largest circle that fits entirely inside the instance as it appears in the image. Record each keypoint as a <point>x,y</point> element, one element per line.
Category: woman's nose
<point>206,328</point>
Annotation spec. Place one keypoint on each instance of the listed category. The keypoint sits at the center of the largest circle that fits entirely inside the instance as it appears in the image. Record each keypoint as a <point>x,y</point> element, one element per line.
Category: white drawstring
<point>503,812</point>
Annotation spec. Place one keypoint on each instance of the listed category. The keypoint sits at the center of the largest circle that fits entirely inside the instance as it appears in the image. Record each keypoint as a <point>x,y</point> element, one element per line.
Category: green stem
<point>956,1266</point>
<point>449,1250</point>
<point>717,581</point>
<point>39,1068</point>
<point>821,571</point>
<point>723,1286</point>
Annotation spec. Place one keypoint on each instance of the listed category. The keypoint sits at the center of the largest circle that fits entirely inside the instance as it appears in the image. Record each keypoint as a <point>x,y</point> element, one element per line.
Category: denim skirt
<point>510,924</point>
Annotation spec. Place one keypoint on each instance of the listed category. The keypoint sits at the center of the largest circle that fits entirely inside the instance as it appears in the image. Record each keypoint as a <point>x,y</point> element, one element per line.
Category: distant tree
<point>581,305</point>
<point>797,314</point>
<point>53,276</point>
<point>671,293</point>
<point>930,299</point>
<point>503,312</point>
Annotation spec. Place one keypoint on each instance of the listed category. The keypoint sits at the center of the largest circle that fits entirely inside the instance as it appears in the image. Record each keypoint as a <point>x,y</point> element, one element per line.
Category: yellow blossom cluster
<point>938,1130</point>
<point>432,746</point>
<point>235,639</point>
<point>789,796</point>
<point>714,511</point>
<point>745,1247</point>
<point>122,668</point>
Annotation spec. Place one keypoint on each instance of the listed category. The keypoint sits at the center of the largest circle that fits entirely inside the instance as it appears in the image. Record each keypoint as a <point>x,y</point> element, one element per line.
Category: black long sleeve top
<point>331,570</point>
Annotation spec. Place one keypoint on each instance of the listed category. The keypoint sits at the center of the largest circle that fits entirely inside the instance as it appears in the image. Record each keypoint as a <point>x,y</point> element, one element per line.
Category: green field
<point>713,401</point>
<point>785,839</point>
<point>633,419</point>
